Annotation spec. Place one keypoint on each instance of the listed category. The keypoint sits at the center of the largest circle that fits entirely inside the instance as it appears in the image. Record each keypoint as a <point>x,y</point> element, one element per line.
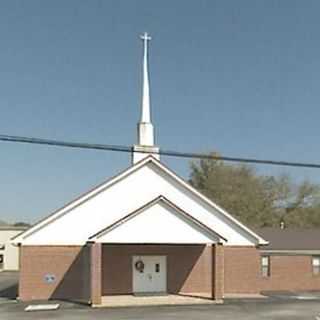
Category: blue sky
<point>239,77</point>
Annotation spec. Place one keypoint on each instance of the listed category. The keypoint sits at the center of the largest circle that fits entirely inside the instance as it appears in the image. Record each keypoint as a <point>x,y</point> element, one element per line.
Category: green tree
<point>301,208</point>
<point>257,200</point>
<point>238,189</point>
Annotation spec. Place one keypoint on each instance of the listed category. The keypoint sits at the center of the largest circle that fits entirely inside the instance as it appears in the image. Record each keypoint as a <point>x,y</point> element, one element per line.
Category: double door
<point>149,274</point>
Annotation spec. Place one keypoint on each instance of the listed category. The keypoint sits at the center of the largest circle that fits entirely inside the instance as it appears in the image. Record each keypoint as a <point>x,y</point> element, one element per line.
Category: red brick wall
<point>69,264</point>
<point>290,273</point>
<point>189,268</point>
<point>241,269</point>
<point>242,272</point>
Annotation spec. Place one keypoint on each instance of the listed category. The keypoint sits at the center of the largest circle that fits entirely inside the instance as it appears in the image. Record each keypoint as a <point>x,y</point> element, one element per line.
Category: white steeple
<point>145,127</point>
<point>145,108</point>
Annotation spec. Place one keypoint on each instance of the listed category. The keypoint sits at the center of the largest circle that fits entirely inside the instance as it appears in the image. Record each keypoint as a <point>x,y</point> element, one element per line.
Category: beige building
<point>9,253</point>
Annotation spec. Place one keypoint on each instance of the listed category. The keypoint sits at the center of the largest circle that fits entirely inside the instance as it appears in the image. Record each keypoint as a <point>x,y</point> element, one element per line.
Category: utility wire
<point>121,148</point>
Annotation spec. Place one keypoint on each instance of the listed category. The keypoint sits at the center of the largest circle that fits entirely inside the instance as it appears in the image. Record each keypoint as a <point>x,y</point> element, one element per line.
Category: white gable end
<point>159,223</point>
<point>74,224</point>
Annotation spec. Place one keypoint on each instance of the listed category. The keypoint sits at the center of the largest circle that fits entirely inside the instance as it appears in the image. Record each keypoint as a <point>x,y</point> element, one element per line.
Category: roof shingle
<point>291,239</point>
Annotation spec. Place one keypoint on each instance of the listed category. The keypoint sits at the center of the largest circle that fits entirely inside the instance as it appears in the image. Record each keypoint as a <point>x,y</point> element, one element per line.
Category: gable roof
<point>148,205</point>
<point>291,239</point>
<point>103,186</point>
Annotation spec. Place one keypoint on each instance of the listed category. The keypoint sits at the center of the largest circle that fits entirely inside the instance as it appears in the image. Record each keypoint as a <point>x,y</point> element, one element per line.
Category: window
<point>2,246</point>
<point>265,266</point>
<point>316,265</point>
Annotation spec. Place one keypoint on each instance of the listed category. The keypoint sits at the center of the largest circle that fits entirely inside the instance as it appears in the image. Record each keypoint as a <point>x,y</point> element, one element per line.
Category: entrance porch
<point>171,273</point>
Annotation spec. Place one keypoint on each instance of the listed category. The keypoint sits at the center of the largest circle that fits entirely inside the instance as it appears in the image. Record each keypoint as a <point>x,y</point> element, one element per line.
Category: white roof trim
<point>78,201</point>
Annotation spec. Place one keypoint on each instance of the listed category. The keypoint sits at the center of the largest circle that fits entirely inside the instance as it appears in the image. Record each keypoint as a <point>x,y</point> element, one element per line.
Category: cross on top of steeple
<point>145,37</point>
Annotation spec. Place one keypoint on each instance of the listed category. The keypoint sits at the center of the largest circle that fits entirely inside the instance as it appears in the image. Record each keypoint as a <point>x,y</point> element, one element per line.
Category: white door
<point>149,274</point>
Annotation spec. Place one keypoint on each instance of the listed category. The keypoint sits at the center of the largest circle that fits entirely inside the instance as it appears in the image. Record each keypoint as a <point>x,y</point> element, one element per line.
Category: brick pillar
<point>217,271</point>
<point>96,272</point>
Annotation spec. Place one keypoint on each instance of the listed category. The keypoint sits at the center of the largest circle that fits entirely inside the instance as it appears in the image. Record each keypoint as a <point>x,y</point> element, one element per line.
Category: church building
<point>144,231</point>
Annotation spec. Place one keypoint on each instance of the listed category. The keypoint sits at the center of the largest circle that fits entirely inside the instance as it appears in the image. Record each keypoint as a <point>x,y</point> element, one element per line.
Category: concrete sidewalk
<point>165,300</point>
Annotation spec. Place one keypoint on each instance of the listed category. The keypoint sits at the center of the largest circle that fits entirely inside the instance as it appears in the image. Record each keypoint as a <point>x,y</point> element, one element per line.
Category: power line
<point>121,148</point>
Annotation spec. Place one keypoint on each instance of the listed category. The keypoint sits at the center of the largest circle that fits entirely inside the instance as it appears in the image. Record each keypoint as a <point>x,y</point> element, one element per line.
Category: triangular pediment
<point>158,221</point>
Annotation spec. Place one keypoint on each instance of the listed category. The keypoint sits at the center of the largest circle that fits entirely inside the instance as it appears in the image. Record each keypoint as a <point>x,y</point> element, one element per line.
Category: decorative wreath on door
<point>139,265</point>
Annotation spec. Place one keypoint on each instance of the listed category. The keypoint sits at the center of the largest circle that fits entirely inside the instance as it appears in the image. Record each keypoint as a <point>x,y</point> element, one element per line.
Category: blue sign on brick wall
<point>49,278</point>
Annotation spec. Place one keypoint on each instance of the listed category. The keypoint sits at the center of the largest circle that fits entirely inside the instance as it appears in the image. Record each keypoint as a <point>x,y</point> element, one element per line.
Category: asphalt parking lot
<point>8,286</point>
<point>282,306</point>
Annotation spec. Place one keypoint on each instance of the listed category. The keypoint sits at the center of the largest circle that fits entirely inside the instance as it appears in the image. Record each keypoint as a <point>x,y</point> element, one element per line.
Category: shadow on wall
<point>75,284</point>
<point>191,271</point>
<point>54,272</point>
